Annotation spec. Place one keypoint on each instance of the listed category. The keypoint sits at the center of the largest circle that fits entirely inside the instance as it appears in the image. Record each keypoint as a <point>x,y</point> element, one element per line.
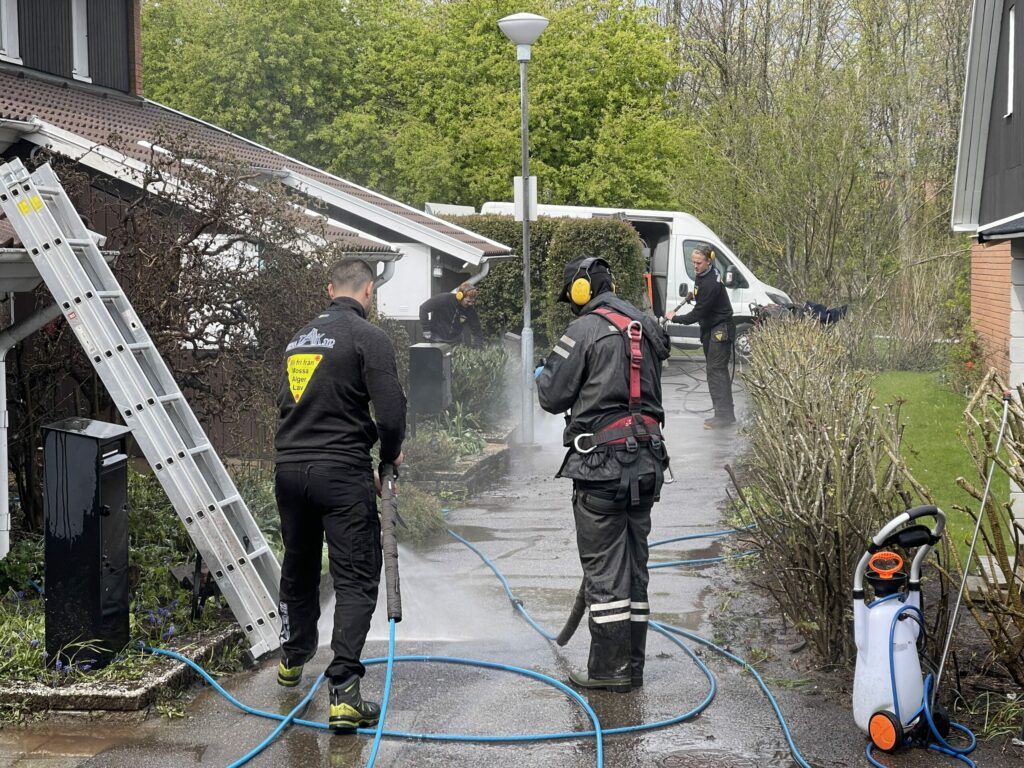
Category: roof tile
<point>96,115</point>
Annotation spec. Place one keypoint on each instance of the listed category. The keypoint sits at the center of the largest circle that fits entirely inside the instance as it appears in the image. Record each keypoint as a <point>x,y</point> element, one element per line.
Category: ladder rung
<point>191,487</point>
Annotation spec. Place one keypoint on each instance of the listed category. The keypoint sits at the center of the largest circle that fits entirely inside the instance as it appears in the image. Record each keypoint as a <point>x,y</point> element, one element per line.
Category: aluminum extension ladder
<point>147,397</point>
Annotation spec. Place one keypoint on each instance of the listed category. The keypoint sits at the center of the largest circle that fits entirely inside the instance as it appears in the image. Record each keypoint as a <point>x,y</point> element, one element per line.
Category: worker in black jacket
<point>444,317</point>
<point>712,310</point>
<point>335,367</point>
<point>606,371</point>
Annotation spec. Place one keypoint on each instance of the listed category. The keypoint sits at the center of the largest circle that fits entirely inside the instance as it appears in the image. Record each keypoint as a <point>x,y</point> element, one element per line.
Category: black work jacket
<point>711,307</point>
<point>445,318</point>
<point>587,373</point>
<point>333,369</point>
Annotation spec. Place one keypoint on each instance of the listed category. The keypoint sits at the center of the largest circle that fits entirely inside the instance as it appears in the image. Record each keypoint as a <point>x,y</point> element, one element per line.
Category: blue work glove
<point>537,371</point>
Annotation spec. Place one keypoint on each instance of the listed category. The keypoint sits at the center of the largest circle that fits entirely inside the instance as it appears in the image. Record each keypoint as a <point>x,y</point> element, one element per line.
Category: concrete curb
<point>470,475</point>
<point>113,695</point>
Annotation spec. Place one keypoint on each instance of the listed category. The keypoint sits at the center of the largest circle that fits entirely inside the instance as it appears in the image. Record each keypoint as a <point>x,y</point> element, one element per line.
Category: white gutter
<point>8,338</point>
<point>398,222</point>
<point>119,166</point>
<point>374,211</point>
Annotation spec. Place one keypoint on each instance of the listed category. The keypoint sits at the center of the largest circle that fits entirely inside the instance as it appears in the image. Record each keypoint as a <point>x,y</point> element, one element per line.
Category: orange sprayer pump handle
<point>885,564</point>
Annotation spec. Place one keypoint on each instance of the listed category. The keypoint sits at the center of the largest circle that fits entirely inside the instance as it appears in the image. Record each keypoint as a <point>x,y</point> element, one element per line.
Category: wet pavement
<point>454,606</point>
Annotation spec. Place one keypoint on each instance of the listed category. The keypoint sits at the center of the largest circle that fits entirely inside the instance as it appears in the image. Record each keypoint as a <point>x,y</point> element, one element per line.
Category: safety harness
<point>625,434</point>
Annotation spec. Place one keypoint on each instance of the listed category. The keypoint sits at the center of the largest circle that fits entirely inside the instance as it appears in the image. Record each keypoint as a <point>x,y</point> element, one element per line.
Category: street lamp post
<point>523,29</point>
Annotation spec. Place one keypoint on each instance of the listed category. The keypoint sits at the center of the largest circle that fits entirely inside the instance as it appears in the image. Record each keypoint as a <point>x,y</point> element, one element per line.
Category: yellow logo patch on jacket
<point>300,371</point>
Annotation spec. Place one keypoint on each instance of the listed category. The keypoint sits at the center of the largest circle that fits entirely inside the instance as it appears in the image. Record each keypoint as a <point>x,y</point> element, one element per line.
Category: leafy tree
<point>420,100</point>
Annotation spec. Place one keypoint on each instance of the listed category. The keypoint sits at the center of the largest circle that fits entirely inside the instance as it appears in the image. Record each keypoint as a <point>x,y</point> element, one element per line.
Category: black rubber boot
<point>615,684</point>
<point>608,666</point>
<point>348,710</point>
<point>637,652</point>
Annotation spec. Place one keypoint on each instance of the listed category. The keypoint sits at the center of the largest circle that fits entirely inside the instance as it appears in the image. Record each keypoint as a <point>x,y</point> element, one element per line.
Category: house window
<point>1011,61</point>
<point>9,31</point>
<point>80,39</point>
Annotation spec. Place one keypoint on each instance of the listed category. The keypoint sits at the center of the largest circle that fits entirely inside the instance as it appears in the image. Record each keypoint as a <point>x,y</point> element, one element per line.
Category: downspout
<point>8,338</point>
<point>387,274</point>
<point>485,267</point>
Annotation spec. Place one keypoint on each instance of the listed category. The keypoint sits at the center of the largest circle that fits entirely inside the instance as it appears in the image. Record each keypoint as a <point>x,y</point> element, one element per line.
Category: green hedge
<point>614,241</point>
<point>553,243</point>
<point>500,301</point>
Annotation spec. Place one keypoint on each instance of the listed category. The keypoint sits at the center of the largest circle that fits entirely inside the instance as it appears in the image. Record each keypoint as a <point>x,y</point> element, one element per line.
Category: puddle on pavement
<point>39,742</point>
<point>705,759</point>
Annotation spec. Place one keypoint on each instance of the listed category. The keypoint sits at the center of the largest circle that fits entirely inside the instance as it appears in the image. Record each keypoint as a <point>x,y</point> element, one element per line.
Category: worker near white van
<point>712,311</point>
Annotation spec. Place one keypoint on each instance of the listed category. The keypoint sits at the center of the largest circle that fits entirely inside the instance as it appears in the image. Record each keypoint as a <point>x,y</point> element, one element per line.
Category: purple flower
<point>45,655</point>
<point>86,667</point>
<point>168,632</point>
<point>59,665</point>
<point>33,644</point>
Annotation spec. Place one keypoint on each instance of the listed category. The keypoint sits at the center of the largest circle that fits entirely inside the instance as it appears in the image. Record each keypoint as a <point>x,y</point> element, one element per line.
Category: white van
<point>669,238</point>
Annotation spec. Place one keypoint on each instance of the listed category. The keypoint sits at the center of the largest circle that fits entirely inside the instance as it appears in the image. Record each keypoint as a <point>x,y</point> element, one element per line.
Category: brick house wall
<point>990,301</point>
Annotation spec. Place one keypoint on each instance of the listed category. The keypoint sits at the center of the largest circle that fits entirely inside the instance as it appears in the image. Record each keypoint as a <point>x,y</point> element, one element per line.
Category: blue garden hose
<point>666,630</point>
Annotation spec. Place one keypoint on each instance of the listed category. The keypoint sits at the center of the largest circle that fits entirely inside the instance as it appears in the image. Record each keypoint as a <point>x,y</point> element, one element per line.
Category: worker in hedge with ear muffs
<point>446,317</point>
<point>712,311</point>
<point>606,371</point>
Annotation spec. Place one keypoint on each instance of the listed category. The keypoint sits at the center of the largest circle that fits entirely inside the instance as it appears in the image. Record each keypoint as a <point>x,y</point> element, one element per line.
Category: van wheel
<point>742,342</point>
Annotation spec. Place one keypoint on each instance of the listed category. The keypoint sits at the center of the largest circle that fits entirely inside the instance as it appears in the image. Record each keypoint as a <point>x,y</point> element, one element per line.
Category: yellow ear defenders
<point>459,295</point>
<point>580,290</point>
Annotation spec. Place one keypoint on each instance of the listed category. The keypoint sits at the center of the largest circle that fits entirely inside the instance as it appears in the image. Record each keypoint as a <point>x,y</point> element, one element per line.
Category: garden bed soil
<point>466,477</point>
<point>116,695</point>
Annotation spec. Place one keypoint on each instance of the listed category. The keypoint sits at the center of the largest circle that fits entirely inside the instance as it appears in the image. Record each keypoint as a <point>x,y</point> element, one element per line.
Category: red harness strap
<point>633,331</point>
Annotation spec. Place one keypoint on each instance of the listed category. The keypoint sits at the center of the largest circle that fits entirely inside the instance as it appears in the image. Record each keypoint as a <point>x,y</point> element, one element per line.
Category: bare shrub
<point>998,603</point>
<point>221,264</point>
<point>824,475</point>
<point>903,327</point>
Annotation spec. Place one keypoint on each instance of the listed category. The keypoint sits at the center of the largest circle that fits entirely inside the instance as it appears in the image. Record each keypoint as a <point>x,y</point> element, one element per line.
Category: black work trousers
<point>611,535</point>
<point>314,500</point>
<point>717,345</point>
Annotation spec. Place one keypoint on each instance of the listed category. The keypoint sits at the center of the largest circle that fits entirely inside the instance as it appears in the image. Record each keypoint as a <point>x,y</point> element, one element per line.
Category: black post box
<point>85,478</point>
<point>430,377</point>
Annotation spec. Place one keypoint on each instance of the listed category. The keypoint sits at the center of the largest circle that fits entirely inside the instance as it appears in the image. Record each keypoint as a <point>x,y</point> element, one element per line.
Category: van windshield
<point>722,261</point>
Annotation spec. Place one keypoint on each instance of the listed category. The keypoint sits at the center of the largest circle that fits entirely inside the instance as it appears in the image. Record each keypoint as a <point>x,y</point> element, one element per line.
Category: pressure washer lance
<point>1007,399</point>
<point>680,305</point>
<point>575,616</point>
<point>389,540</point>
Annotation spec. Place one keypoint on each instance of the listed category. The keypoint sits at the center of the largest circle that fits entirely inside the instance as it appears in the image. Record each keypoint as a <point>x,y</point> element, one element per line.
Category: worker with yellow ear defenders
<point>712,311</point>
<point>605,370</point>
<point>445,317</point>
<point>585,279</point>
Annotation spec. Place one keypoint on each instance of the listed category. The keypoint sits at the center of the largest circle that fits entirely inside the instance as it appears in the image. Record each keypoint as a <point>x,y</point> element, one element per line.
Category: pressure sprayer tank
<point>874,682</point>
<point>888,675</point>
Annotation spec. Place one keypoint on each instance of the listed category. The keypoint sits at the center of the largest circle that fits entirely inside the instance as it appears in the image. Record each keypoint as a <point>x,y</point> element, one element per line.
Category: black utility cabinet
<point>85,479</point>
<point>430,377</point>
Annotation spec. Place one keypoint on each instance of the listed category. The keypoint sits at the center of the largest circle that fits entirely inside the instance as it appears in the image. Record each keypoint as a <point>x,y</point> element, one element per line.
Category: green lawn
<point>932,444</point>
